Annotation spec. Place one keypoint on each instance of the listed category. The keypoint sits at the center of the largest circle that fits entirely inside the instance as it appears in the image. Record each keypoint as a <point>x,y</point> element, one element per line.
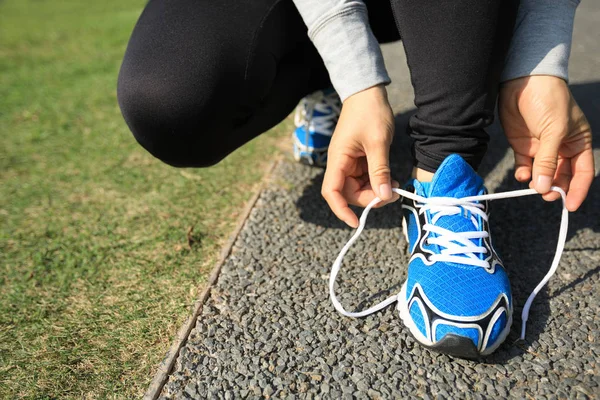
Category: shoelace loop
<point>445,204</point>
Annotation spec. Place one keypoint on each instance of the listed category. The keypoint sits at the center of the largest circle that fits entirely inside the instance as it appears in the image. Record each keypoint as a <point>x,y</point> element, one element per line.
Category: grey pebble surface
<point>268,329</point>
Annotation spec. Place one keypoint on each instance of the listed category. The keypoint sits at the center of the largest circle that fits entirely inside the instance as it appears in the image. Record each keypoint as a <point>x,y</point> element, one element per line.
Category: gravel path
<point>269,329</point>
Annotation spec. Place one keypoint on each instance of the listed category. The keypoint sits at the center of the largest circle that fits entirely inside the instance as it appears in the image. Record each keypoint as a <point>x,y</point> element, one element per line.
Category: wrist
<point>376,93</point>
<point>524,80</point>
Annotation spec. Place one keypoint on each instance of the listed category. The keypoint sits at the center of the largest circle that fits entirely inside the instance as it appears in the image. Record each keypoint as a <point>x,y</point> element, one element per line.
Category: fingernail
<point>543,183</point>
<point>385,191</point>
<point>351,224</point>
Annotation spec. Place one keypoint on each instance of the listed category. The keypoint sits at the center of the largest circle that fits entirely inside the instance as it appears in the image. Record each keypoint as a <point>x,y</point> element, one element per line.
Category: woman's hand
<point>358,158</point>
<point>550,136</point>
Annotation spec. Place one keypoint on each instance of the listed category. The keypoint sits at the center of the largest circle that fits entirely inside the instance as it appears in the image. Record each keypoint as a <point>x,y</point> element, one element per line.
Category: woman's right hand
<point>358,158</point>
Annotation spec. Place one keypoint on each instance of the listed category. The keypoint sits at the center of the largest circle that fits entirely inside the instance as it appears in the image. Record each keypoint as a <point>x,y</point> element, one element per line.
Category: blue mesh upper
<point>498,328</point>
<point>455,178</point>
<point>412,229</point>
<point>318,140</point>
<point>456,289</point>
<point>315,140</point>
<point>418,319</point>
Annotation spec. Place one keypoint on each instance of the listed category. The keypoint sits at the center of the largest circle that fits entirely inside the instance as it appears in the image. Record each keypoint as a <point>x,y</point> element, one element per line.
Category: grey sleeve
<point>541,41</point>
<point>341,33</point>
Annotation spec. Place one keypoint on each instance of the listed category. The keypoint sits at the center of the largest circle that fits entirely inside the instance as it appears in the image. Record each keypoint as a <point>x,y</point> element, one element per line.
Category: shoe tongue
<point>455,178</point>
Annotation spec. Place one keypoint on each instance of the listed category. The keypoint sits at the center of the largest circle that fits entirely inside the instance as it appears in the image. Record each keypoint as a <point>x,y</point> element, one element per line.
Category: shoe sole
<point>451,344</point>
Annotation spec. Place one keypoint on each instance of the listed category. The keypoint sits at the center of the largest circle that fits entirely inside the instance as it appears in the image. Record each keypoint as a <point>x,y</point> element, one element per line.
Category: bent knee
<point>171,125</point>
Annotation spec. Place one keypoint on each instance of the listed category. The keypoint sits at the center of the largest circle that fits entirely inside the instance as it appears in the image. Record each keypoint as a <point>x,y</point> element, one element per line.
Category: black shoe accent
<point>456,346</point>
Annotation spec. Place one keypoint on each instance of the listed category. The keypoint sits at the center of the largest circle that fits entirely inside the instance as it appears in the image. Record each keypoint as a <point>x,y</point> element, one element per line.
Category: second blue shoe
<point>457,298</point>
<point>316,117</point>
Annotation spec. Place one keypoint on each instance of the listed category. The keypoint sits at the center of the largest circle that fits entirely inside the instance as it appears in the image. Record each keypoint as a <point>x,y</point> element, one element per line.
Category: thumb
<point>379,170</point>
<point>544,163</point>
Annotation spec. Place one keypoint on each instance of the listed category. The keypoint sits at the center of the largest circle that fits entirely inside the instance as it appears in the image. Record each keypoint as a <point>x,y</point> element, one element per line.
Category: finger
<point>523,166</point>
<point>561,179</point>
<point>364,195</point>
<point>395,197</point>
<point>582,168</point>
<point>379,169</point>
<point>359,196</point>
<point>545,162</point>
<point>333,184</point>
<point>357,181</point>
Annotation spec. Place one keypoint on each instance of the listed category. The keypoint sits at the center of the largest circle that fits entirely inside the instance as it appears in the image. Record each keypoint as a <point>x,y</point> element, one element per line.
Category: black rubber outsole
<point>457,346</point>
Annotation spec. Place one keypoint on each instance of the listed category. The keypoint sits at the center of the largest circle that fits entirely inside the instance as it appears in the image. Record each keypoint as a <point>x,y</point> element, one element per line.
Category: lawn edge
<point>166,365</point>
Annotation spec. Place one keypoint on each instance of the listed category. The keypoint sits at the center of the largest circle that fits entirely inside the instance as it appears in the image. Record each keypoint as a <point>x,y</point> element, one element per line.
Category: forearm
<point>542,37</point>
<point>341,33</point>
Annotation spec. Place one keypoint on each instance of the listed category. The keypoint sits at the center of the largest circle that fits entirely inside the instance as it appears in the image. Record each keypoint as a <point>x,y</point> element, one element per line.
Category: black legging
<point>201,77</point>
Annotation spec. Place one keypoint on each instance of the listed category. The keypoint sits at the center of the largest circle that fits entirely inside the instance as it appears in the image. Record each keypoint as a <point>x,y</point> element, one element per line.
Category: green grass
<point>97,271</point>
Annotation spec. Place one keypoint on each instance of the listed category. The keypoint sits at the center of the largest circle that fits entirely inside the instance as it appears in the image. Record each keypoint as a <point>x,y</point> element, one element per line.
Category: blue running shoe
<point>457,298</point>
<point>315,120</point>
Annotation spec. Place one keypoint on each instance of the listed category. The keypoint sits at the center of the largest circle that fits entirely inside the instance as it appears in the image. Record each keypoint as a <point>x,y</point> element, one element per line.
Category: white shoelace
<point>329,105</point>
<point>454,242</point>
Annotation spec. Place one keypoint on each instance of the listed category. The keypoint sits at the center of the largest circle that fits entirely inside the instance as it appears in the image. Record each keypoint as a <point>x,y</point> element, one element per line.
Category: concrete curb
<point>166,365</point>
